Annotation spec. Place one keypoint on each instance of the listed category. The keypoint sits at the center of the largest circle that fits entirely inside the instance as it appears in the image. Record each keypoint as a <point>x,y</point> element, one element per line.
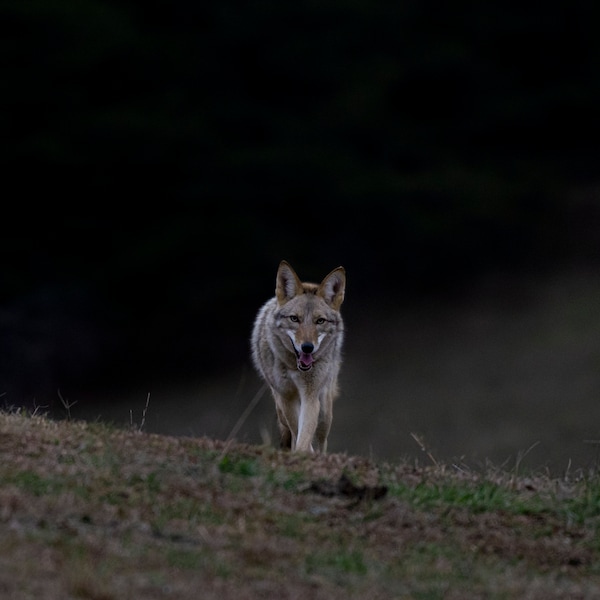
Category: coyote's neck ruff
<point>296,348</point>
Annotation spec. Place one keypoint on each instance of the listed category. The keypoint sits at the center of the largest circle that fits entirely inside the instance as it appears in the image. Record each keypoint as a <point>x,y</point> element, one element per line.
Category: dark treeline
<point>161,159</point>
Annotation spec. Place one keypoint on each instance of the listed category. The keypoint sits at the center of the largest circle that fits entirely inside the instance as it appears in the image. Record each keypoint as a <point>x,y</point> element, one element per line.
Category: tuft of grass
<point>345,562</point>
<point>477,497</point>
<point>238,465</point>
<point>32,483</point>
<point>183,558</point>
<point>583,506</point>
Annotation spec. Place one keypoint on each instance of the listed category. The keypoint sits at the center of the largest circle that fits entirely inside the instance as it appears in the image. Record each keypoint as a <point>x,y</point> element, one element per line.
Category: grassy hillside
<point>90,511</point>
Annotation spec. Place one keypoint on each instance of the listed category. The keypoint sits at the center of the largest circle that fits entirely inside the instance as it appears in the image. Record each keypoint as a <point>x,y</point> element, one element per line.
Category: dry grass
<point>89,511</point>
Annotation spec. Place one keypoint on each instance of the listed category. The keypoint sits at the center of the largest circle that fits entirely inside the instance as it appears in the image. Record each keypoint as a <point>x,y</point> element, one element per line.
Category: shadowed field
<point>507,373</point>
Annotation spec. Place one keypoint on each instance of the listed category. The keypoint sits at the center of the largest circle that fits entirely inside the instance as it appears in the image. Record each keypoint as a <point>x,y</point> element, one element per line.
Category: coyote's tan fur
<point>296,348</point>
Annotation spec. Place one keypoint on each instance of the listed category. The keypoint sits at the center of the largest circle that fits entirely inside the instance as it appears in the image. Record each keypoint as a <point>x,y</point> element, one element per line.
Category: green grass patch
<point>476,497</point>
<point>343,561</point>
<point>239,465</point>
<point>584,506</point>
<point>291,526</point>
<point>32,483</point>
<point>188,510</point>
<point>290,481</point>
<point>185,559</point>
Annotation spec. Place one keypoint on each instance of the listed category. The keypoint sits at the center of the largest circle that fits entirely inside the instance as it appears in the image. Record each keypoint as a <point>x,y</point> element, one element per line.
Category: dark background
<point>160,159</point>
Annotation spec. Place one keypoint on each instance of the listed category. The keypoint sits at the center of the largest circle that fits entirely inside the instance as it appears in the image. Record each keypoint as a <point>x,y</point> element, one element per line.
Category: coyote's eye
<point>294,319</point>
<point>320,321</point>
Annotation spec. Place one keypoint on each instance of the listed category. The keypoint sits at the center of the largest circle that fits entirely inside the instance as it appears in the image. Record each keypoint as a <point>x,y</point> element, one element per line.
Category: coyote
<point>296,348</point>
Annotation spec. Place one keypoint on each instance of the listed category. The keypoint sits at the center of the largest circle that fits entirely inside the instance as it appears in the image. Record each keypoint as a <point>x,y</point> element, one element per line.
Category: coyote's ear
<point>332,288</point>
<point>288,283</point>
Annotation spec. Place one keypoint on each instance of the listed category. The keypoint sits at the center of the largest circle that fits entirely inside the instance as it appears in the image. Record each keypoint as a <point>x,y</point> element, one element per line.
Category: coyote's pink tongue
<point>306,359</point>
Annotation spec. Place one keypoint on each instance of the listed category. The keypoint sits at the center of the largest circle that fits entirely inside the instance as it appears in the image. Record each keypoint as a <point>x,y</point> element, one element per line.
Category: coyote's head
<point>309,314</point>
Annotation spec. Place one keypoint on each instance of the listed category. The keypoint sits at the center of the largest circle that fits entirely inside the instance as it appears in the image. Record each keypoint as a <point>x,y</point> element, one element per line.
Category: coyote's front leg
<point>285,434</point>
<point>307,423</point>
<point>324,425</point>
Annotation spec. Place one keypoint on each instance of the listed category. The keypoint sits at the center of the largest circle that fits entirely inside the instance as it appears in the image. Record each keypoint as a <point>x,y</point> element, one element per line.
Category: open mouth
<point>305,361</point>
